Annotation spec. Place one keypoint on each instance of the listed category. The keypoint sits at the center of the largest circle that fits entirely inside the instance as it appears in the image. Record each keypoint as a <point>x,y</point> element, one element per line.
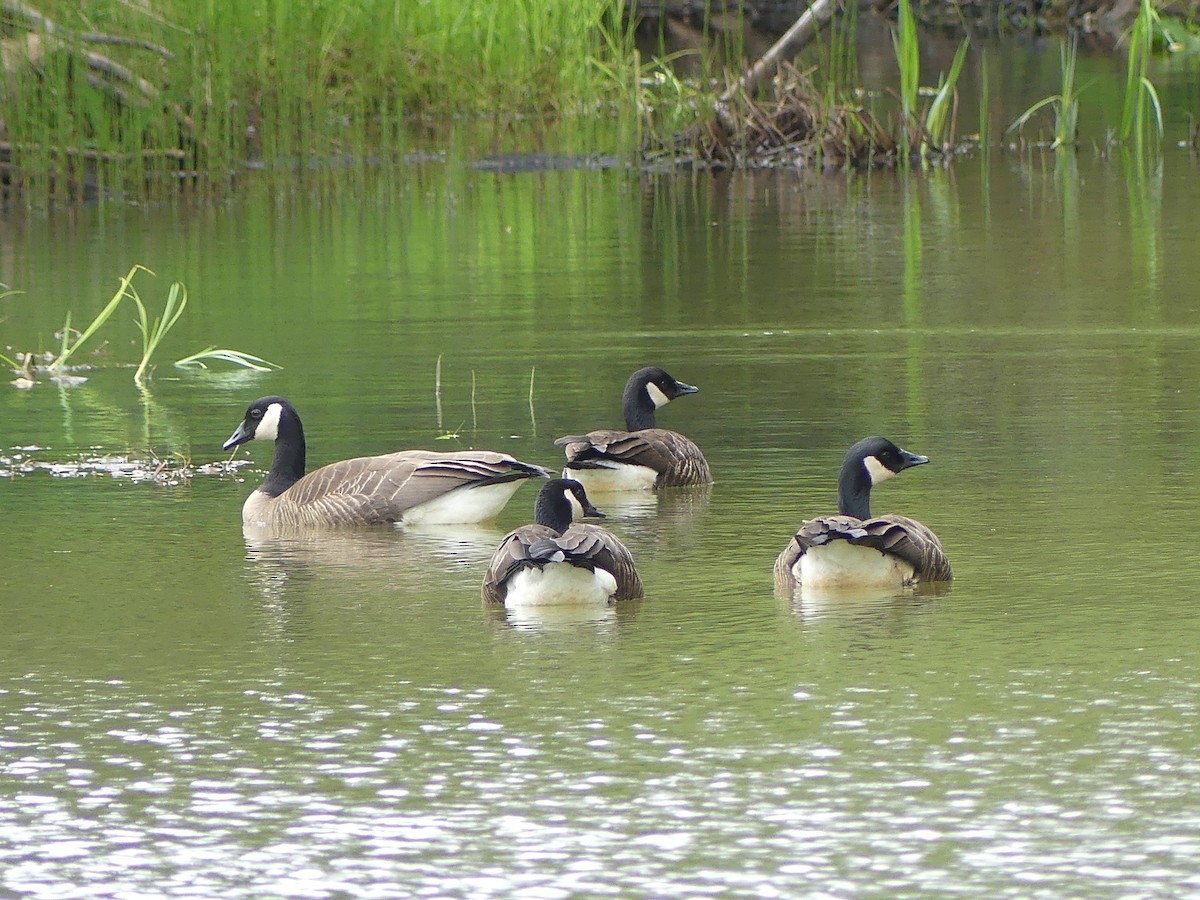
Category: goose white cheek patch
<point>877,470</point>
<point>657,397</point>
<point>576,506</point>
<point>268,427</point>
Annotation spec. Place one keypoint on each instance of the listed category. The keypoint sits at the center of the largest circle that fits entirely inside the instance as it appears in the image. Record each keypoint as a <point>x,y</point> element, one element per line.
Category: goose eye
<point>256,413</point>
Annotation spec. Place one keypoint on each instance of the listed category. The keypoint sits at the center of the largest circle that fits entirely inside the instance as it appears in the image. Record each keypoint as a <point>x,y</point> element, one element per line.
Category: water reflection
<point>369,556</point>
<point>385,549</point>
<point>812,604</point>
<point>657,524</point>
<point>565,615</point>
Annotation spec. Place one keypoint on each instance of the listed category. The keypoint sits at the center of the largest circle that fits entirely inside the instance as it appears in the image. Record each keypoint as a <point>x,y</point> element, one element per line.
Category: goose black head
<point>867,463</point>
<point>646,390</point>
<point>262,421</point>
<point>882,459</point>
<point>560,501</point>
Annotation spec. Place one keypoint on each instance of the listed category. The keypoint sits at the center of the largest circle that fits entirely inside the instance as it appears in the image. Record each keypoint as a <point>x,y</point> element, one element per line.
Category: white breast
<point>613,476</point>
<point>256,509</point>
<point>558,583</point>
<point>840,564</point>
<point>463,506</point>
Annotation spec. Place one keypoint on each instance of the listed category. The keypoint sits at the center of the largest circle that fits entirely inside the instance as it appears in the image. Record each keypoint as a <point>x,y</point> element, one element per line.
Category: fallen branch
<point>7,147</point>
<point>103,73</point>
<point>789,44</point>
<point>94,37</point>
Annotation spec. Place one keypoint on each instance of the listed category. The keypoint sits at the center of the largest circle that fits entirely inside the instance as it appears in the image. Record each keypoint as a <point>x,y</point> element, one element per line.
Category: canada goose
<point>409,487</point>
<point>644,456</point>
<point>852,549</point>
<point>553,561</point>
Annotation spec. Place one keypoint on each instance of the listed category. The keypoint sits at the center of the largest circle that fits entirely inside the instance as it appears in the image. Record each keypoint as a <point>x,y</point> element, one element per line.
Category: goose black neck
<point>552,508</point>
<point>854,490</point>
<point>638,407</point>
<point>287,465</point>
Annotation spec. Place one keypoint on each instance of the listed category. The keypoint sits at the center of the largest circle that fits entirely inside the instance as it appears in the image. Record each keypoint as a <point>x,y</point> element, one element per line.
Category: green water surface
<point>187,710</point>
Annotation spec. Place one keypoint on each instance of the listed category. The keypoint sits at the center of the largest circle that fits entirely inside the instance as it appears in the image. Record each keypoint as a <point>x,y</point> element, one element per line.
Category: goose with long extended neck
<point>855,549</point>
<point>409,487</point>
<point>644,456</point>
<point>558,561</point>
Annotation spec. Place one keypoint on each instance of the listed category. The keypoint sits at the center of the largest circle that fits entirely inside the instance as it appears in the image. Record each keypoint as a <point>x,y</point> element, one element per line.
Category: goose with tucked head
<point>854,549</point>
<point>554,561</point>
<point>409,487</point>
<point>644,456</point>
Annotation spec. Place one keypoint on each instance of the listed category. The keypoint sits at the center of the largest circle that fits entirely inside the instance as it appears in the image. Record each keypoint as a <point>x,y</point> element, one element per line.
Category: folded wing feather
<point>896,535</point>
<point>374,489</point>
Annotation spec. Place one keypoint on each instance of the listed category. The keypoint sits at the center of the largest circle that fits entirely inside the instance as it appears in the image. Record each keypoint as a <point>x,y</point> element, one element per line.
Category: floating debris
<point>68,380</point>
<point>169,471</point>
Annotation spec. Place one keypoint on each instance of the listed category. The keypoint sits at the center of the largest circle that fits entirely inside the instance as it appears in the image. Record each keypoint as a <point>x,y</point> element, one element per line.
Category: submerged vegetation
<point>110,97</point>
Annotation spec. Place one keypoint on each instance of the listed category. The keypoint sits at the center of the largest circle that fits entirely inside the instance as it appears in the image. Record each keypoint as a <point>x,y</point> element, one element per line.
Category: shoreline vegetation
<point>123,98</point>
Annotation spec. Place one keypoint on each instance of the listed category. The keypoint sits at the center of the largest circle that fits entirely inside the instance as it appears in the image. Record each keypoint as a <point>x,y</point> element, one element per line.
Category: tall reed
<point>1140,94</point>
<point>940,118</point>
<point>908,57</point>
<point>933,127</point>
<point>1065,103</point>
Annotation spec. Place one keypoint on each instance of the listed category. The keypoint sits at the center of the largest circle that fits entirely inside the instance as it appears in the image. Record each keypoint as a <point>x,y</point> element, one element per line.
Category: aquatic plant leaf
<point>935,119</point>
<point>236,357</point>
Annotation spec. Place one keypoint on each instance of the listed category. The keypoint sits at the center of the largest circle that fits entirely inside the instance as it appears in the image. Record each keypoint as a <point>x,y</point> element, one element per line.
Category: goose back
<point>409,487</point>
<point>894,549</point>
<point>555,561</point>
<point>666,458</point>
<point>536,548</point>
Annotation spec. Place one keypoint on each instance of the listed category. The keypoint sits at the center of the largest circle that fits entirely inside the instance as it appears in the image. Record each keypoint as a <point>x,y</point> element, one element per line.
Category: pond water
<point>189,710</point>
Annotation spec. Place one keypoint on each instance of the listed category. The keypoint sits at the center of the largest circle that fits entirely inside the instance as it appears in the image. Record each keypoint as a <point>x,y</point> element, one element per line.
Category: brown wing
<point>676,459</point>
<point>785,574</point>
<point>912,542</point>
<point>583,545</point>
<point>376,489</point>
<point>896,535</point>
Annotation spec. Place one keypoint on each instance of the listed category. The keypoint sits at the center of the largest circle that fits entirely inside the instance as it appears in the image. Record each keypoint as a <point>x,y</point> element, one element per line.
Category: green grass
<point>219,83</point>
<point>201,88</point>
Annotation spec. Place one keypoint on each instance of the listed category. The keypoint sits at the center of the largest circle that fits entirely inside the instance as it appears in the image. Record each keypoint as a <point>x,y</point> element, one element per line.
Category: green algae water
<point>190,709</point>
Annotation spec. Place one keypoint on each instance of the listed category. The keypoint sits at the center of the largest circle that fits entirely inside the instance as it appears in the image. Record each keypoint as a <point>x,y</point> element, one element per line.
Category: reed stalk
<point>908,58</point>
<point>437,390</point>
<point>985,90</point>
<point>1065,103</point>
<point>532,416</point>
<point>153,330</point>
<point>68,349</point>
<point>153,333</point>
<point>940,119</point>
<point>1141,97</point>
